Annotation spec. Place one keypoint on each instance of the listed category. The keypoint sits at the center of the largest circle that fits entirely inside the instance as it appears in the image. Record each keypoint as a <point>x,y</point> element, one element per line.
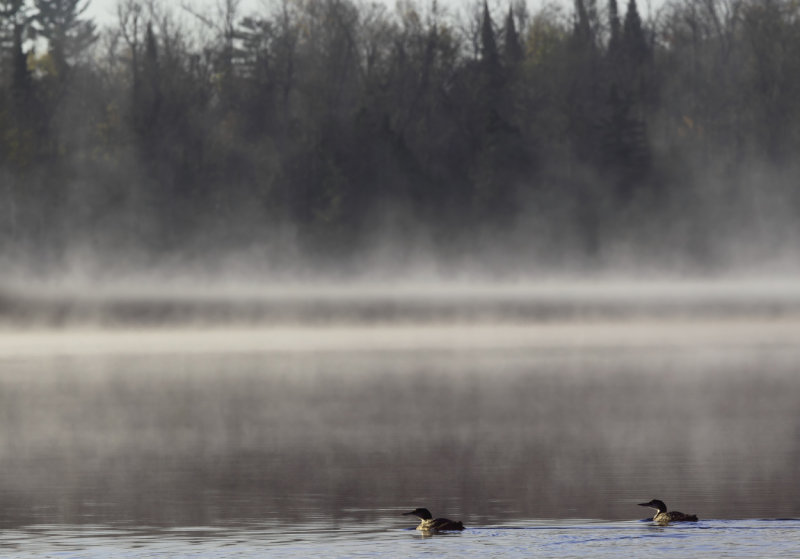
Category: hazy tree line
<point>331,125</point>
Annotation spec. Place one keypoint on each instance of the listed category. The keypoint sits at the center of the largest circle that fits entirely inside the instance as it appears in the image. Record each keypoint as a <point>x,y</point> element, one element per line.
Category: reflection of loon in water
<point>430,524</point>
<point>662,517</point>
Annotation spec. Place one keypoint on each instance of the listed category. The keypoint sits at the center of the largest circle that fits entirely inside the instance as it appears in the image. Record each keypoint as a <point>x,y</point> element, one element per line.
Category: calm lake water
<point>308,439</point>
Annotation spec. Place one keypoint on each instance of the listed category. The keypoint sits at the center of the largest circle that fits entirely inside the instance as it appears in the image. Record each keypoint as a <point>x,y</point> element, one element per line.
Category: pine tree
<point>24,114</point>
<point>499,158</point>
<point>626,152</point>
<point>583,96</point>
<point>634,64</point>
<point>513,49</point>
<point>12,14</point>
<point>21,82</point>
<point>489,52</point>
<point>67,34</point>
<point>150,94</point>
<point>14,21</point>
<point>493,79</point>
<point>582,34</point>
<point>614,30</point>
<point>634,43</point>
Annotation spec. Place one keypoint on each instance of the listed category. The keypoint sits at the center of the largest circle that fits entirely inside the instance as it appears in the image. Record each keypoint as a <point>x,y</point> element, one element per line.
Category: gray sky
<point>104,11</point>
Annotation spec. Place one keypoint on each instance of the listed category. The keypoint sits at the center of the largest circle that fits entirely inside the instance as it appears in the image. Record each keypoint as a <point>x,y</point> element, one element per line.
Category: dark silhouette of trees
<point>584,94</point>
<point>148,98</point>
<point>512,47</point>
<point>626,149</point>
<point>319,120</point>
<point>615,32</point>
<point>771,34</point>
<point>19,101</point>
<point>68,35</point>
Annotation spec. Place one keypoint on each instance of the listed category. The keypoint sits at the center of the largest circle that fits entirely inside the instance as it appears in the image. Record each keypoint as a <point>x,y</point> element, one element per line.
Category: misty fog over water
<point>492,435</point>
<point>513,409</point>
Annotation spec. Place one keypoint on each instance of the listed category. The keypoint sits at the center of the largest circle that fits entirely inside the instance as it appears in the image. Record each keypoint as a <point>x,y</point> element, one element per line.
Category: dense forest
<point>342,133</point>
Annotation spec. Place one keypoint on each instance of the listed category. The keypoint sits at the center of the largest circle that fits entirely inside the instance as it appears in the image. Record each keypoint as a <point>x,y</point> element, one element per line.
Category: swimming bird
<point>430,524</point>
<point>662,517</point>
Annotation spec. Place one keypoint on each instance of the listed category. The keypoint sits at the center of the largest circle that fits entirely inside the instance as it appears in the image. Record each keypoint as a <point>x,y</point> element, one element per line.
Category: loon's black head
<point>655,504</point>
<point>424,514</point>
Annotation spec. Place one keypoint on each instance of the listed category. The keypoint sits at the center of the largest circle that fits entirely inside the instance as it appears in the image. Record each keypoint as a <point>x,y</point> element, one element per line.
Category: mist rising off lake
<point>487,422</point>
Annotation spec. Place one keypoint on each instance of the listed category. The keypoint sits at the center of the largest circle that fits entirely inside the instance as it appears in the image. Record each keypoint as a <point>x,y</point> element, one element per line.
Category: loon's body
<point>662,517</point>
<point>430,524</point>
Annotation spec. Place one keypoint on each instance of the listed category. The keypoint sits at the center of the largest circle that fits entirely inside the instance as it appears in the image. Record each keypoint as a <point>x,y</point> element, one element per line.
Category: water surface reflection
<point>340,438</point>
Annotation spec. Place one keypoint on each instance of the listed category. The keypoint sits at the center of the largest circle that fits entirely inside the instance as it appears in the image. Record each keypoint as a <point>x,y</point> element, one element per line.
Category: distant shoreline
<point>351,306</point>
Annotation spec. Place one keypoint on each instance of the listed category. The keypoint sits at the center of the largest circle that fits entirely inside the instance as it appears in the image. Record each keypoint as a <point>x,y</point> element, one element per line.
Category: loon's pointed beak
<point>408,513</point>
<point>644,504</point>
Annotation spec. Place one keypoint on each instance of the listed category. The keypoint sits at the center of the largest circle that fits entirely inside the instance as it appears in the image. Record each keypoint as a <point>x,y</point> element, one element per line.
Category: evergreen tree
<point>68,34</point>
<point>582,33</point>
<point>614,38</point>
<point>14,24</point>
<point>634,42</point>
<point>13,13</point>
<point>489,52</point>
<point>626,153</point>
<point>513,53</point>
<point>625,150</point>
<point>491,66</point>
<point>22,92</point>
<point>492,82</point>
<point>499,158</point>
<point>20,140</point>
<point>148,96</point>
<point>635,72</point>
<point>583,94</point>
<point>772,78</point>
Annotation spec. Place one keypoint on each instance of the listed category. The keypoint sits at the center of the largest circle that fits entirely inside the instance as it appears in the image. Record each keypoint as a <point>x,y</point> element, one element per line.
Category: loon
<point>430,524</point>
<point>662,517</point>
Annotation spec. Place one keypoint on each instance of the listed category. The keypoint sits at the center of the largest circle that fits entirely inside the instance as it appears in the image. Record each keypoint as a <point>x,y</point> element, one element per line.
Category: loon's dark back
<point>445,525</point>
<point>675,516</point>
